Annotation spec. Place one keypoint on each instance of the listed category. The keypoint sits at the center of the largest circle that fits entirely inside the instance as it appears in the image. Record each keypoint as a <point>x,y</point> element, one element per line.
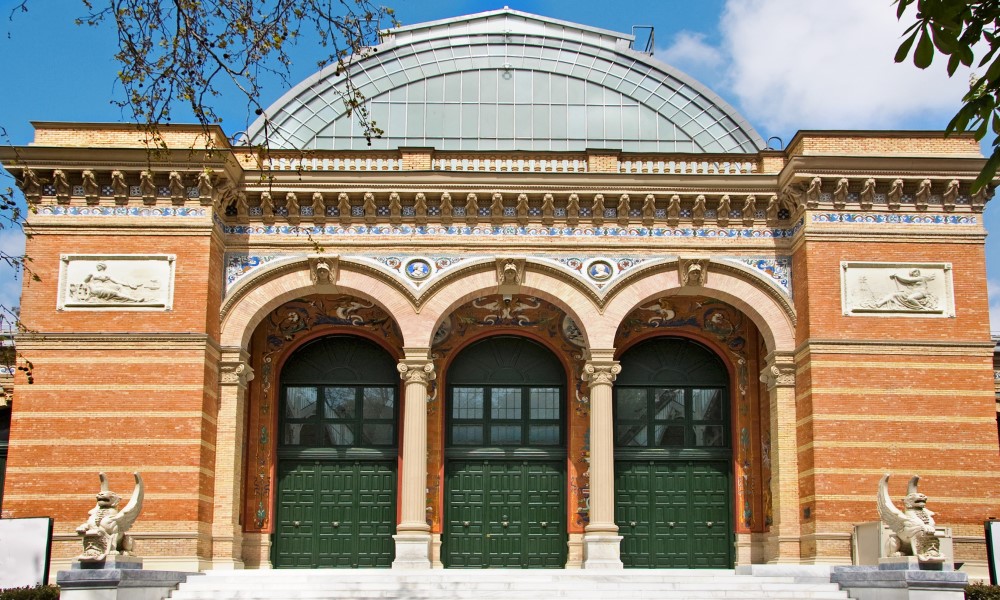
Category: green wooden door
<point>674,514</point>
<point>335,514</point>
<point>505,514</point>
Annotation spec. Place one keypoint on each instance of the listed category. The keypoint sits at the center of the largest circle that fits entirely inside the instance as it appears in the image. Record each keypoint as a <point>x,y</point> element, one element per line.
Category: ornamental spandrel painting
<point>897,289</point>
<point>116,282</point>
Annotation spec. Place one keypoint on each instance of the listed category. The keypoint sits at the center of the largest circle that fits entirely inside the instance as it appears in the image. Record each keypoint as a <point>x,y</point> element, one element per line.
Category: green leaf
<point>924,54</point>
<point>904,48</point>
<point>988,173</point>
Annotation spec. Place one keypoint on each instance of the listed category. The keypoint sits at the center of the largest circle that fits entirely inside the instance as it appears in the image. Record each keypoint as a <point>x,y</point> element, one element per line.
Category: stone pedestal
<point>117,578</point>
<point>413,551</point>
<point>897,580</point>
<point>602,551</point>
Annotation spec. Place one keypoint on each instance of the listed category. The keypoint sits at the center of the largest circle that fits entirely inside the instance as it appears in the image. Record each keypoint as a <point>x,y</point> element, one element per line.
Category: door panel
<point>673,514</point>
<point>505,514</point>
<point>335,514</point>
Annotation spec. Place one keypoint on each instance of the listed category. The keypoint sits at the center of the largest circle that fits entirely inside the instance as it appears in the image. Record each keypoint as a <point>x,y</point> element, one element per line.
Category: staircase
<point>497,584</point>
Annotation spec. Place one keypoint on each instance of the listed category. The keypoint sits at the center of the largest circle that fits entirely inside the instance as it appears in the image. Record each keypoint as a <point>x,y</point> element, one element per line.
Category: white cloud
<point>993,287</point>
<point>829,64</point>
<point>690,52</point>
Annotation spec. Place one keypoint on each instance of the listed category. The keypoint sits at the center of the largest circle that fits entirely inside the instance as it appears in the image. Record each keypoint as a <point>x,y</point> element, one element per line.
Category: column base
<point>413,551</point>
<point>602,551</point>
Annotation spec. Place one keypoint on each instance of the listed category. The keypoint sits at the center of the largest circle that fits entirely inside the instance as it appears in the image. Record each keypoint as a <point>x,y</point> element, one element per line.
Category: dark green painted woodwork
<point>505,514</point>
<point>340,359</point>
<point>335,514</point>
<point>506,361</point>
<point>674,514</point>
<point>666,361</point>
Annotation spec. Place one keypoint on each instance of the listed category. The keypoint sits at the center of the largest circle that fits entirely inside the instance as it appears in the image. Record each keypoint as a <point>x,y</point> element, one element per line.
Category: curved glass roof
<point>506,80</point>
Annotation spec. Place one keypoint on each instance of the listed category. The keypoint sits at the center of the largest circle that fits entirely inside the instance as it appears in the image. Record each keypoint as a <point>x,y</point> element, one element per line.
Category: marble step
<point>497,584</point>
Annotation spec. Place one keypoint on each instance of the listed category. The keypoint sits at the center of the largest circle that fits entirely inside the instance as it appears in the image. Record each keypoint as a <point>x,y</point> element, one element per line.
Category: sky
<point>785,65</point>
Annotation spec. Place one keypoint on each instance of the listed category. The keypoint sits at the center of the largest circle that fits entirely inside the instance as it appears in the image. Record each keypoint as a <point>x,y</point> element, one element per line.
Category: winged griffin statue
<point>913,528</point>
<point>105,532</point>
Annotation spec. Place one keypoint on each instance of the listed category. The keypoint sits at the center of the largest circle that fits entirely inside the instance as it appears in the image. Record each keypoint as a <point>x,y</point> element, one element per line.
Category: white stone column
<point>413,537</point>
<point>235,375</point>
<point>785,539</point>
<point>601,542</point>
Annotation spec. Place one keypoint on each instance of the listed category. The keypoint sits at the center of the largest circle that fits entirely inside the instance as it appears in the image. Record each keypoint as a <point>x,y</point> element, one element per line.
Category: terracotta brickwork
<point>825,402</point>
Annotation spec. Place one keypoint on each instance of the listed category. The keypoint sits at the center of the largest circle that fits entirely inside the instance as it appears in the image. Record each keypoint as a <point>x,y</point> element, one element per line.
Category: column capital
<point>416,371</point>
<point>235,373</point>
<point>778,371</point>
<point>603,372</point>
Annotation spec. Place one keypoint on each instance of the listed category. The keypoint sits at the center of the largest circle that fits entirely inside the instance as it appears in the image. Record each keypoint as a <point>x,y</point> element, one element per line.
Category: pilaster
<point>235,375</point>
<point>785,540</point>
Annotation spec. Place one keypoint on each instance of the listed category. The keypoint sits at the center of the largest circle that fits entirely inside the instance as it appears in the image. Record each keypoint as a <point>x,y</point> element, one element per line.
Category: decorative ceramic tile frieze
<point>240,264</point>
<point>415,271</point>
<point>122,211</point>
<point>610,231</point>
<point>598,271</point>
<point>901,219</point>
<point>775,269</point>
<point>116,282</point>
<point>897,289</point>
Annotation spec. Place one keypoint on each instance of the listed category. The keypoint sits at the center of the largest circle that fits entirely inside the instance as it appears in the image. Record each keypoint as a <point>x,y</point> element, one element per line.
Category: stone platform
<point>500,584</point>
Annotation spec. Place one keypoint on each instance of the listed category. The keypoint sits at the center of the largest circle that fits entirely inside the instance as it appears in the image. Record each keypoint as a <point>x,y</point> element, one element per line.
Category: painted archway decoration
<point>734,335</point>
<point>282,330</point>
<point>522,315</point>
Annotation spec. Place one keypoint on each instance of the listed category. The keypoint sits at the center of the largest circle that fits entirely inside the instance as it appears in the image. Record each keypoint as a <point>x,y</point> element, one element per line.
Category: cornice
<point>131,341</point>
<point>894,346</point>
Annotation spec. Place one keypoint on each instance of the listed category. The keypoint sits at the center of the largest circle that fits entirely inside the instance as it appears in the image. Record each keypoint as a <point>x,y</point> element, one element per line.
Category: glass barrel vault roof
<point>506,80</point>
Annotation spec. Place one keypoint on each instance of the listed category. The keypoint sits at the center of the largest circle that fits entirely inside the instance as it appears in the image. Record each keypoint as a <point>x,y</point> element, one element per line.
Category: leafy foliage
<point>982,591</point>
<point>41,592</point>
<point>959,29</point>
<point>188,51</point>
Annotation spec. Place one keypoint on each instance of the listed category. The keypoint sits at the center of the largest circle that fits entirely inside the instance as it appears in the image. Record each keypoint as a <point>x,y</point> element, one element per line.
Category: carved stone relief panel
<point>897,289</point>
<point>116,282</point>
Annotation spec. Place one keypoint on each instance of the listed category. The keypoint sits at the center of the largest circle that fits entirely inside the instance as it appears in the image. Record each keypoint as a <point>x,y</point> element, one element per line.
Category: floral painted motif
<point>271,341</point>
<point>543,319</point>
<point>732,331</point>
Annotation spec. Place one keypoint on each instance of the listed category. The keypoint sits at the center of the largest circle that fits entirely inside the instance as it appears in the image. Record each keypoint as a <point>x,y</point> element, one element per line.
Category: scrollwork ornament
<point>601,374</point>
<point>416,372</point>
<point>236,373</point>
<point>778,376</point>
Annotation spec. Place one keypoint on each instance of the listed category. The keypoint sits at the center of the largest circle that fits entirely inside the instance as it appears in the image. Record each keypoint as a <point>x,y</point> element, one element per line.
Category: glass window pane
<point>669,405</point>
<point>339,434</point>
<point>543,434</point>
<point>300,402</point>
<point>339,403</point>
<point>487,120</point>
<point>505,435</point>
<point>467,435</point>
<point>292,434</point>
<point>488,86</point>
<point>377,434</point>
<point>669,435</point>
<point>452,87</point>
<point>470,86</point>
<point>544,403</point>
<point>435,89</point>
<point>706,405</point>
<point>505,403</point>
<point>505,120</point>
<point>709,435</point>
<point>378,403</point>
<point>631,404</point>
<point>522,87</point>
<point>467,403</point>
<point>631,435</point>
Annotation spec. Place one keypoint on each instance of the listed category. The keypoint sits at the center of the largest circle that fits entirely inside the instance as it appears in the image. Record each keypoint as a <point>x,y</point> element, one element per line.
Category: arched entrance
<point>505,451</point>
<point>337,455</point>
<point>673,456</point>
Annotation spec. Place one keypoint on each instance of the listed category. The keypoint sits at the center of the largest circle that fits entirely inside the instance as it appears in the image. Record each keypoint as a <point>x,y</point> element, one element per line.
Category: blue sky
<point>785,65</point>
